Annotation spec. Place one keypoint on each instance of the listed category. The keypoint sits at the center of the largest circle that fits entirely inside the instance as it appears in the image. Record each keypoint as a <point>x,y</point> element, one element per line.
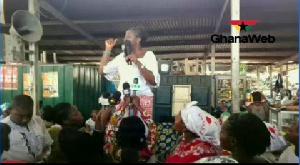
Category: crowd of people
<point>242,137</point>
<point>113,134</point>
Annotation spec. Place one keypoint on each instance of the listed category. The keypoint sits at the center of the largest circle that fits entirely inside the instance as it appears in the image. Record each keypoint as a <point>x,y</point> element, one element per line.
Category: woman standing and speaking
<point>144,66</point>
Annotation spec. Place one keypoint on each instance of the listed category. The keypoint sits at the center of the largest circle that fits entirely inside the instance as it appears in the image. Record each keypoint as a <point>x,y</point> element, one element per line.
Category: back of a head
<point>62,113</point>
<point>22,102</point>
<point>131,138</point>
<point>48,113</point>
<point>5,131</point>
<point>250,132</point>
<point>256,96</point>
<point>131,132</point>
<point>140,33</point>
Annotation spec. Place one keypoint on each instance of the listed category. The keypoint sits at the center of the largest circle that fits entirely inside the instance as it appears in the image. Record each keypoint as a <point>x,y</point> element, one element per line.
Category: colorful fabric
<point>217,159</point>
<point>192,151</point>
<point>146,103</point>
<point>167,137</point>
<point>201,123</point>
<point>112,128</point>
<point>277,140</point>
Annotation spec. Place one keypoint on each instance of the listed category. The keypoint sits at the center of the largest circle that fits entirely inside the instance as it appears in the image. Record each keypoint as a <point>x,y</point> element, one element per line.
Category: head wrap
<point>277,140</point>
<point>201,123</point>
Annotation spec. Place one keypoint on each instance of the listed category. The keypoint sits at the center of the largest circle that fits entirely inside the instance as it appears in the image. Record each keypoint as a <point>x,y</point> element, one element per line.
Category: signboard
<point>26,84</point>
<point>50,84</point>
<point>9,78</point>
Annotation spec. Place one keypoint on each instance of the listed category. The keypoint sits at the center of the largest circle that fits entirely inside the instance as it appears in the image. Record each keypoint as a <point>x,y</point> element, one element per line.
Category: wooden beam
<point>67,22</point>
<point>292,58</point>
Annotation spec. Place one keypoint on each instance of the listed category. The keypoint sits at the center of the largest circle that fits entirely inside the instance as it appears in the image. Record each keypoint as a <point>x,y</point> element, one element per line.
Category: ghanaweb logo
<point>242,25</point>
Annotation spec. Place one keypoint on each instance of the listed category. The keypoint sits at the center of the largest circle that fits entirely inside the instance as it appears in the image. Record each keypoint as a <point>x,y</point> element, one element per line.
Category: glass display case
<point>223,88</point>
<point>282,118</point>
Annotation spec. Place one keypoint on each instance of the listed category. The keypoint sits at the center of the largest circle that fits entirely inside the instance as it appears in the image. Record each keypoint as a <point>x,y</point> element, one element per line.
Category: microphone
<point>128,50</point>
<point>126,89</point>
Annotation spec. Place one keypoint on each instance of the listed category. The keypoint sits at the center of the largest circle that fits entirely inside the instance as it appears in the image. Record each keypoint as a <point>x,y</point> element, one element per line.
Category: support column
<point>212,73</point>
<point>287,76</point>
<point>271,81</point>
<point>34,8</point>
<point>235,59</point>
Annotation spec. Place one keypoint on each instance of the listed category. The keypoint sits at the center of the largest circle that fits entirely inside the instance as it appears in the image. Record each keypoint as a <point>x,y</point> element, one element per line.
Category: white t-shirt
<point>286,101</point>
<point>289,156</point>
<point>128,72</point>
<point>27,144</point>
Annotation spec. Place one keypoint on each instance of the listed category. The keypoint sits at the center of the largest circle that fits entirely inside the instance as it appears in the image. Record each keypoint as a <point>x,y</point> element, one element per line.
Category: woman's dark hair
<point>140,33</point>
<point>131,138</point>
<point>256,96</point>
<point>62,113</point>
<point>5,131</point>
<point>48,113</point>
<point>250,132</point>
<point>289,94</point>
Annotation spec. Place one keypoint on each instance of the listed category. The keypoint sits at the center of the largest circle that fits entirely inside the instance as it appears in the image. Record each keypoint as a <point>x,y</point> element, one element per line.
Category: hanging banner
<point>26,84</point>
<point>50,84</point>
<point>9,78</point>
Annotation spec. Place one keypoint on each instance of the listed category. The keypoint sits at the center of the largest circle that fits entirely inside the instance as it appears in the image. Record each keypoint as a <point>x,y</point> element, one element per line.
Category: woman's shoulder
<point>149,54</point>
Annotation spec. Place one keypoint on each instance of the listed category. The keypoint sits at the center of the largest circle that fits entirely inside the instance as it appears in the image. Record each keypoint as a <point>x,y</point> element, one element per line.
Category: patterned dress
<point>191,152</point>
<point>112,128</point>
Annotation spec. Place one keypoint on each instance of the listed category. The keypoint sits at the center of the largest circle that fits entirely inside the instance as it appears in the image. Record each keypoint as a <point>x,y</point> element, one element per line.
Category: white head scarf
<point>277,140</point>
<point>201,123</point>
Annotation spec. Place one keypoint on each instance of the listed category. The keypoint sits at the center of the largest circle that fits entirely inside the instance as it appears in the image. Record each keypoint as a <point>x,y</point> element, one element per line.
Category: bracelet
<point>107,52</point>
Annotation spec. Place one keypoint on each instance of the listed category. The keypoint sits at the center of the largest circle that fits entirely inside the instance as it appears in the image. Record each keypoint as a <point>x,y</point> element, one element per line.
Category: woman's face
<point>179,125</point>
<point>224,138</point>
<point>131,36</point>
<point>75,117</point>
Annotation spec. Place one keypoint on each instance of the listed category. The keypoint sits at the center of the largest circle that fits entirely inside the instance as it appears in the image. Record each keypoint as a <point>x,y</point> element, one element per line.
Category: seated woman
<point>67,115</point>
<point>122,112</point>
<point>258,108</point>
<point>131,138</point>
<point>246,137</point>
<point>201,133</point>
<point>287,98</point>
<point>293,106</point>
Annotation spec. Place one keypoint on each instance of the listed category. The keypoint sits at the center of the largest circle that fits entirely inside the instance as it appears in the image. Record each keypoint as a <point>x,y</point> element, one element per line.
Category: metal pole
<point>44,57</point>
<point>257,73</point>
<point>213,59</point>
<point>34,7</point>
<point>271,81</point>
<point>235,59</point>
<point>54,58</point>
<point>213,68</point>
<point>287,76</point>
